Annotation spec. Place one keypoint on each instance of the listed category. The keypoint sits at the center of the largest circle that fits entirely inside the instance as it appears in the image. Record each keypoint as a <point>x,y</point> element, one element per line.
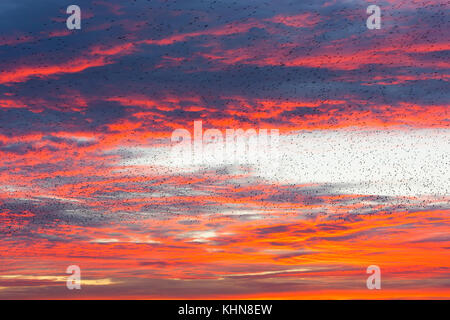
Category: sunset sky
<point>87,177</point>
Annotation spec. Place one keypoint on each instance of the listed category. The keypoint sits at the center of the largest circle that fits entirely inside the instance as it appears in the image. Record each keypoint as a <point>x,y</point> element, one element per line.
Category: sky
<point>360,175</point>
